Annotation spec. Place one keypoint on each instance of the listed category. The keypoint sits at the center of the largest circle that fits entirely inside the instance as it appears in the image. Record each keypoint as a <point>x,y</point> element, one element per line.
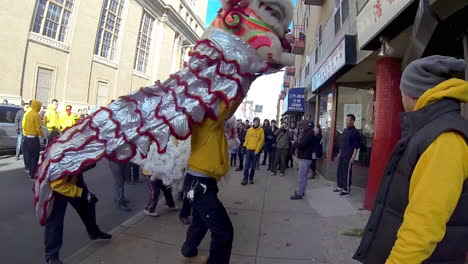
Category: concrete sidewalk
<point>269,227</point>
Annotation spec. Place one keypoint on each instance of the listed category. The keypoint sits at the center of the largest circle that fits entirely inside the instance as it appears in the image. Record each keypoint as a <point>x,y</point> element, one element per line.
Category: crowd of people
<point>283,147</point>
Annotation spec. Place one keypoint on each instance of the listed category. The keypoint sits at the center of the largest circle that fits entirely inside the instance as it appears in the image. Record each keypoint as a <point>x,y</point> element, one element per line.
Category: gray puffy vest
<point>419,130</point>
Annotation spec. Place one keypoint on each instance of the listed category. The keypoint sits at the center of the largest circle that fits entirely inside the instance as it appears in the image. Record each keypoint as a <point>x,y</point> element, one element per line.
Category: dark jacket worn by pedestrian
<point>19,121</point>
<point>420,213</point>
<point>282,139</point>
<point>351,140</point>
<point>305,144</point>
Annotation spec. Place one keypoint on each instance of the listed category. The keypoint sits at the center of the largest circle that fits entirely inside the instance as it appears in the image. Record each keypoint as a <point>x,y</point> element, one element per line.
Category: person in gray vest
<point>421,210</point>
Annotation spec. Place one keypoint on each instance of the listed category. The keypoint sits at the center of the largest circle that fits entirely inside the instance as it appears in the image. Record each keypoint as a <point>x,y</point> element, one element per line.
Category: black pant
<point>280,158</point>
<point>266,153</point>
<point>51,135</point>
<point>53,232</point>
<point>186,209</point>
<point>344,173</point>
<point>134,173</point>
<point>289,160</point>
<point>241,157</point>
<point>313,165</point>
<point>272,156</point>
<point>209,213</point>
<point>233,160</point>
<point>156,187</point>
<point>31,151</point>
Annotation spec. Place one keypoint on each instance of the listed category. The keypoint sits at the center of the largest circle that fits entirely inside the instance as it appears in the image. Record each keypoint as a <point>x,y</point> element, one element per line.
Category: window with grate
<point>144,43</point>
<point>52,18</point>
<point>44,84</point>
<point>109,29</point>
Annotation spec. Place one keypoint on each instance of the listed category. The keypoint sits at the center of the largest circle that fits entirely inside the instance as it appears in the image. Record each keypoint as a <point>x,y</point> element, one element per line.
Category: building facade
<point>89,52</point>
<point>350,57</point>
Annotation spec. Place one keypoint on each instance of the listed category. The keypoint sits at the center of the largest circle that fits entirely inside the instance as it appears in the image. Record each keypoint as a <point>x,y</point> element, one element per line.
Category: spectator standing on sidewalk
<point>305,147</point>
<point>420,212</point>
<point>289,158</point>
<point>254,141</point>
<point>120,173</point>
<point>351,142</point>
<point>272,152</point>
<point>19,129</point>
<point>32,131</point>
<point>282,149</point>
<point>268,140</point>
<point>156,186</point>
<point>317,150</point>
<point>247,124</point>
<point>70,189</point>
<point>241,131</point>
<point>67,118</point>
<point>51,121</point>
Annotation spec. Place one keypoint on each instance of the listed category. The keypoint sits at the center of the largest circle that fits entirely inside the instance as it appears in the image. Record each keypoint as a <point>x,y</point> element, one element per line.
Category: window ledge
<point>141,74</point>
<point>106,62</point>
<point>52,43</point>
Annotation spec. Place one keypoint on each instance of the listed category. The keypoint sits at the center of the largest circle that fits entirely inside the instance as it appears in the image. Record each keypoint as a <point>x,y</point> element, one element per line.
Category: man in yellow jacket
<point>32,130</point>
<point>254,140</point>
<point>70,189</point>
<point>51,121</point>
<point>67,118</point>
<point>421,210</point>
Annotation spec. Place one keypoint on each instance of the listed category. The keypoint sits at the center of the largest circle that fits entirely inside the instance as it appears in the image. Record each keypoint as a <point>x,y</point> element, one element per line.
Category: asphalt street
<point>21,237</point>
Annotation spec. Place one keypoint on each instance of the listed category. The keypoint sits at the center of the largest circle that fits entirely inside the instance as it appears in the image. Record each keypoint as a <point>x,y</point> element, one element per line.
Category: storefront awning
<point>294,103</point>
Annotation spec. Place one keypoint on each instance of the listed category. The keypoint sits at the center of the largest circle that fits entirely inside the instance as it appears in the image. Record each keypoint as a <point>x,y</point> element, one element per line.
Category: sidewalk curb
<point>92,246</point>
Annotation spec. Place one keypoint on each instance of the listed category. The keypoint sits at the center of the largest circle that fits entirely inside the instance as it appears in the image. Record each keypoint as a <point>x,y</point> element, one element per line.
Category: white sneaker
<point>148,213</point>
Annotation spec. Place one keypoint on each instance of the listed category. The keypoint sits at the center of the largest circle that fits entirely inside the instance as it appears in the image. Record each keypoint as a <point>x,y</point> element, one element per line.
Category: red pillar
<point>387,123</point>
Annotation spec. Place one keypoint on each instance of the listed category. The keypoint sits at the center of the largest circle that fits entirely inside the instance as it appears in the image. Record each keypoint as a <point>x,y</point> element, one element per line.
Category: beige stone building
<point>88,52</point>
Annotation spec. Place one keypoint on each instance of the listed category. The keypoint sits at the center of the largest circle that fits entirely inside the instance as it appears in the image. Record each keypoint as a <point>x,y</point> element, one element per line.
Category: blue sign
<point>295,100</point>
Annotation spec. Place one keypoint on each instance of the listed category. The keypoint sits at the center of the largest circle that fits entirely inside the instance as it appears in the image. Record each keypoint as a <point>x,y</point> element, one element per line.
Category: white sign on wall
<point>334,62</point>
<point>375,16</point>
<point>356,110</point>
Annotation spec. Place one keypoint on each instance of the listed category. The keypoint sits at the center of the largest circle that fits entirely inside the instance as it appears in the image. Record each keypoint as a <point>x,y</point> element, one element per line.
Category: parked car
<point>8,135</point>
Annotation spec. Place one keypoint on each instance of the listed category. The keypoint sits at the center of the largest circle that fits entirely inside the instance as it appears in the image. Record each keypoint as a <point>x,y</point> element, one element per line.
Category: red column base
<point>387,123</point>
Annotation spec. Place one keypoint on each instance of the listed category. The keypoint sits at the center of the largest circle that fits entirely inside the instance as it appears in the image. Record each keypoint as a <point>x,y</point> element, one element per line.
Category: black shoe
<point>244,182</point>
<point>125,202</point>
<point>54,261</point>
<point>251,182</point>
<point>344,193</point>
<point>100,235</point>
<point>296,197</point>
<point>17,158</point>
<point>263,163</point>
<point>239,169</point>
<point>123,207</point>
<point>337,189</point>
<point>137,181</point>
<point>184,220</point>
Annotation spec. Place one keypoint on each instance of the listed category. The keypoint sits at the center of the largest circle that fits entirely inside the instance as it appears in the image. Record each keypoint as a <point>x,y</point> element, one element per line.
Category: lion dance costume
<point>246,40</point>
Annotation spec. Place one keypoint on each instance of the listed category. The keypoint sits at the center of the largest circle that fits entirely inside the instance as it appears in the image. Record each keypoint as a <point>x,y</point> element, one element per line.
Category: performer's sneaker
<point>54,261</point>
<point>244,182</point>
<point>100,235</point>
<point>194,260</point>
<point>152,214</point>
<point>338,190</point>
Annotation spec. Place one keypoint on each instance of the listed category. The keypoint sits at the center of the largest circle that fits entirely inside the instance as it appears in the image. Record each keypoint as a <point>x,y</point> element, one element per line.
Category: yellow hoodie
<point>209,146</point>
<point>32,120</point>
<point>435,187</point>
<point>51,119</point>
<point>254,139</point>
<point>66,120</point>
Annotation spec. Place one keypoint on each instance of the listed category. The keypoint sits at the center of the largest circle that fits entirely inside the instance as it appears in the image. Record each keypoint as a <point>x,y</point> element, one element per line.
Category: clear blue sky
<point>213,7</point>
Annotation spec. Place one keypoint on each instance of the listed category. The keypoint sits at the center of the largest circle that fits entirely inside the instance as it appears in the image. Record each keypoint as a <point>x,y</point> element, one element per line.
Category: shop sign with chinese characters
<point>295,100</point>
<point>333,63</point>
<point>375,16</point>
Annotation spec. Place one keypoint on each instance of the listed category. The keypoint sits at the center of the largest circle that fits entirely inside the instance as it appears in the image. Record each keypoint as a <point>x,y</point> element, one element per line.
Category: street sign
<point>258,108</point>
